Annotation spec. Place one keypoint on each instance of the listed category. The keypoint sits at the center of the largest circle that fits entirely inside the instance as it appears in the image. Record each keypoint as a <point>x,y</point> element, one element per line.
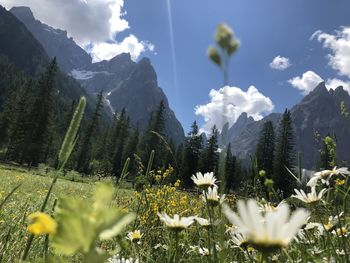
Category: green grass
<point>28,199</point>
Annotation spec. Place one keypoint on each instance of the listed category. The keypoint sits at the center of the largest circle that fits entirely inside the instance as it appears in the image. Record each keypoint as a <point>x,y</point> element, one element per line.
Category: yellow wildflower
<point>41,223</point>
<point>340,181</point>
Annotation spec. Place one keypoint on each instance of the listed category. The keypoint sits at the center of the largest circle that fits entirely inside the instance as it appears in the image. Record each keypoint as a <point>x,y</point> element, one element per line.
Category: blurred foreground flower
<point>177,223</point>
<point>311,197</point>
<point>41,223</point>
<point>270,232</point>
<point>204,181</point>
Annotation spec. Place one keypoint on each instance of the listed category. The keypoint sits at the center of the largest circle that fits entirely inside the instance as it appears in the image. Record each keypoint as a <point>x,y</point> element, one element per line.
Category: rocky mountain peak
<point>55,41</point>
<point>24,12</point>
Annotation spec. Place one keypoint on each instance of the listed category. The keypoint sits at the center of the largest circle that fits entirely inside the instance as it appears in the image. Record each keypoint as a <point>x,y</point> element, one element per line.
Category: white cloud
<point>237,101</point>
<point>309,81</point>
<point>335,83</point>
<point>280,63</point>
<point>90,22</point>
<point>339,44</point>
<point>129,44</point>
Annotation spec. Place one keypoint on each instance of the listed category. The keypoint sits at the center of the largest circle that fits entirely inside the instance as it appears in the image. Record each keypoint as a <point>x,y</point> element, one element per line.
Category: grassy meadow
<point>192,226</point>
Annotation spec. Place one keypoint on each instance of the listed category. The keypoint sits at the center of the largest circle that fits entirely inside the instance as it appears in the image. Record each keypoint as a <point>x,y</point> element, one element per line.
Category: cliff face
<point>55,41</point>
<point>126,84</point>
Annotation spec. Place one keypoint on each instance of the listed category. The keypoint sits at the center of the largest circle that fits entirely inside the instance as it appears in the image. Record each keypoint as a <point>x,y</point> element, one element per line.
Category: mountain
<point>18,44</point>
<point>22,50</point>
<point>55,41</point>
<point>244,142</point>
<point>318,113</point>
<point>126,84</point>
<point>140,95</point>
<point>239,126</point>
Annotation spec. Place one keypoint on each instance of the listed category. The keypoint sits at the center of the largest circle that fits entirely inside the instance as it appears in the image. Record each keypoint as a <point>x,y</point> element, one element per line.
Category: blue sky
<point>266,29</point>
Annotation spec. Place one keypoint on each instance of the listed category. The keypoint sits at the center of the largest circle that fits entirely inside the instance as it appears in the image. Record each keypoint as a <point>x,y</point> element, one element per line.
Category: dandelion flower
<point>176,223</point>
<point>212,197</point>
<point>326,175</point>
<point>273,231</point>
<point>134,236</point>
<point>41,223</point>
<point>311,197</point>
<point>204,181</point>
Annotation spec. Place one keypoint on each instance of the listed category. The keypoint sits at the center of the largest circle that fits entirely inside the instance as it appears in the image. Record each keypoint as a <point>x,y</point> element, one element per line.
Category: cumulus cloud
<point>309,81</point>
<point>335,83</point>
<point>280,63</point>
<point>129,44</point>
<point>91,23</point>
<point>339,44</point>
<point>237,101</point>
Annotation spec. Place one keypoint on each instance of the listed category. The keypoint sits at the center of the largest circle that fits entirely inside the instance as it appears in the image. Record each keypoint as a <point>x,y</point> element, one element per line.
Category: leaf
<point>103,195</point>
<point>75,232</point>
<point>114,225</point>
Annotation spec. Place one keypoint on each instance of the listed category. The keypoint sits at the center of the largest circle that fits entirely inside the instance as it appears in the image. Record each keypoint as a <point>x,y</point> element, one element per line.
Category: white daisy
<point>274,230</point>
<point>117,259</point>
<point>326,175</point>
<point>311,197</point>
<point>204,181</point>
<point>134,236</point>
<point>211,196</point>
<point>239,240</point>
<point>266,207</point>
<point>203,222</point>
<point>203,251</point>
<point>176,223</point>
<point>341,232</point>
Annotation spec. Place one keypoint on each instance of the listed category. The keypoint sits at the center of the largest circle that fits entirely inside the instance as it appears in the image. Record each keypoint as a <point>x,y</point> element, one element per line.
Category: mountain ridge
<point>116,77</point>
<point>317,113</point>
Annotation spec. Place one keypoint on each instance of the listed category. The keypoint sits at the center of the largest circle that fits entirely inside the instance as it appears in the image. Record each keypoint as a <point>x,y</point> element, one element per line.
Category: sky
<point>287,48</point>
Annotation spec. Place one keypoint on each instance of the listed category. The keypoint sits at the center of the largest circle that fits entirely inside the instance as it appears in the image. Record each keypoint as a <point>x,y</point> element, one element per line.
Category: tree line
<point>33,120</point>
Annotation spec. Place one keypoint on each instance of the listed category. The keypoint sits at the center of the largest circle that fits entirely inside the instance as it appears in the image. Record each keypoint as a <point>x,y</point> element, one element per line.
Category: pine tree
<point>265,148</point>
<point>130,150</point>
<point>31,128</point>
<point>209,159</point>
<point>84,152</point>
<point>153,138</point>
<point>117,164</point>
<point>43,113</point>
<point>231,181</point>
<point>285,156</point>
<point>19,124</point>
<point>328,154</point>
<point>192,151</point>
<point>179,155</point>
